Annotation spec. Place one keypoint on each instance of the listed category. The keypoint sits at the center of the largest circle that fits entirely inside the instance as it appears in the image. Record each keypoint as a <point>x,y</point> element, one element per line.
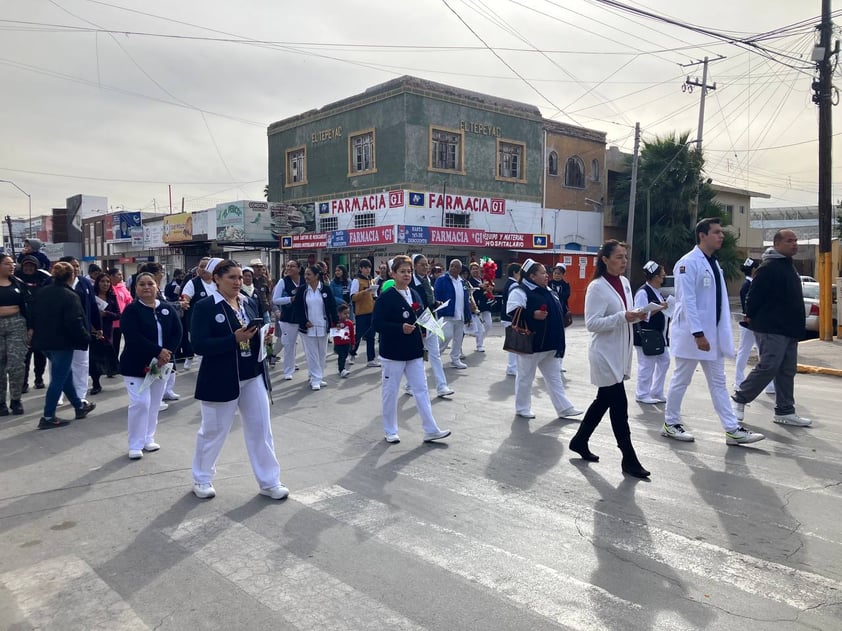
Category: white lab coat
<point>610,352</point>
<point>695,294</point>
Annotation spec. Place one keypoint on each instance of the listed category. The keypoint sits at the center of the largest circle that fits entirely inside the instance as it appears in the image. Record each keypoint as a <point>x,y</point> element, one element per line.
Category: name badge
<point>707,281</point>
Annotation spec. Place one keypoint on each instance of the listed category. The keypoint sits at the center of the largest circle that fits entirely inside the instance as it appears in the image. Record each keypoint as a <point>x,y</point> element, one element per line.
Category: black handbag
<point>651,341</point>
<point>518,336</point>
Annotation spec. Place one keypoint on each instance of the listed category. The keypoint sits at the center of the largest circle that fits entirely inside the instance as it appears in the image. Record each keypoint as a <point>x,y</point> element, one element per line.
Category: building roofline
<point>410,85</point>
<point>721,188</point>
<point>575,131</point>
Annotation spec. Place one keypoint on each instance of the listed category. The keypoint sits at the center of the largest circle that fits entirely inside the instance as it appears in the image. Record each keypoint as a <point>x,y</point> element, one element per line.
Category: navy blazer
<point>299,307</point>
<point>212,338</point>
<point>88,297</point>
<point>140,334</point>
<point>445,291</point>
<point>390,314</point>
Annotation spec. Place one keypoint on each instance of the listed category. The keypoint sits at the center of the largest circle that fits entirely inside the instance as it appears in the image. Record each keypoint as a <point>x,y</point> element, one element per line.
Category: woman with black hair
<point>103,357</point>
<point>232,376</point>
<point>341,285</point>
<point>652,369</point>
<point>539,309</point>
<point>151,332</point>
<point>609,319</point>
<point>314,309</point>
<point>14,323</point>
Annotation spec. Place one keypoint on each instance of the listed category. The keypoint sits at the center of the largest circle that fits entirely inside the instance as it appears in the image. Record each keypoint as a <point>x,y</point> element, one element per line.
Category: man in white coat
<point>701,334</point>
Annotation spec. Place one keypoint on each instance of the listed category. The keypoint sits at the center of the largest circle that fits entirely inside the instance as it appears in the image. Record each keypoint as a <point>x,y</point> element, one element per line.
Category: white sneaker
<point>344,373</point>
<point>135,454</point>
<point>527,415</point>
<point>374,363</point>
<point>171,396</point>
<point>739,409</point>
<point>393,438</point>
<point>287,377</point>
<point>163,406</point>
<point>431,436</point>
<point>480,349</point>
<point>315,386</point>
<point>459,364</point>
<point>204,490</point>
<point>793,419</point>
<point>444,391</point>
<point>188,363</point>
<point>648,400</point>
<point>741,436</point>
<point>153,446</point>
<point>677,432</point>
<point>277,492</point>
<point>571,411</point>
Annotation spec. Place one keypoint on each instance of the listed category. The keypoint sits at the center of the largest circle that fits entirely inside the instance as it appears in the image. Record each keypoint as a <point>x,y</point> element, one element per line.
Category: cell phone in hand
<point>256,323</point>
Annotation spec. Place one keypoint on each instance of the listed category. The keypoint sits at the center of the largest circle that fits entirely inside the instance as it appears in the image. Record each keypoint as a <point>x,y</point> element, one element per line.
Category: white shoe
<point>792,419</point>
<point>649,400</point>
<point>188,363</point>
<point>480,349</point>
<point>204,491</point>
<point>153,446</point>
<point>677,432</point>
<point>739,409</point>
<point>344,373</point>
<point>171,396</point>
<point>571,411</point>
<point>135,454</point>
<point>511,373</point>
<point>527,415</point>
<point>287,377</point>
<point>459,364</point>
<point>741,436</point>
<point>315,386</point>
<point>393,438</point>
<point>374,364</point>
<point>277,492</point>
<point>163,406</point>
<point>431,436</point>
<point>444,391</point>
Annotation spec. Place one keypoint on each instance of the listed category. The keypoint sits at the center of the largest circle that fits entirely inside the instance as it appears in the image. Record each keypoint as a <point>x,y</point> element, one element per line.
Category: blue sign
<point>324,208</point>
<point>336,239</point>
<point>416,199</point>
<point>540,241</point>
<point>286,242</point>
<point>413,235</point>
<point>123,224</point>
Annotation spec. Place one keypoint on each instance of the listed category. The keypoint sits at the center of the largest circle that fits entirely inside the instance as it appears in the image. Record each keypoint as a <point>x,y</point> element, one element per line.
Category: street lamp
<point>649,191</point>
<point>29,232</point>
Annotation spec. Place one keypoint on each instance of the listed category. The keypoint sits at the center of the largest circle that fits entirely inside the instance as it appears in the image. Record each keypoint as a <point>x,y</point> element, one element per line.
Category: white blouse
<point>316,311</point>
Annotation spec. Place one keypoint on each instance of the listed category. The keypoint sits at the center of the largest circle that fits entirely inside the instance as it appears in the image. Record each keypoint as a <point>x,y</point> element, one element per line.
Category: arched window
<point>574,173</point>
<point>552,163</point>
<point>595,170</point>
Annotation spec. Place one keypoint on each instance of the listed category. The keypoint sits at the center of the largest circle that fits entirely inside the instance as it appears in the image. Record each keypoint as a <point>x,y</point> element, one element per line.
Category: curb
<point>818,370</point>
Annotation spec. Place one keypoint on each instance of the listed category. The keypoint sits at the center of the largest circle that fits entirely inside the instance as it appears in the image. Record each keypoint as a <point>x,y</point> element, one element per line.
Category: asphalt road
<point>499,527</point>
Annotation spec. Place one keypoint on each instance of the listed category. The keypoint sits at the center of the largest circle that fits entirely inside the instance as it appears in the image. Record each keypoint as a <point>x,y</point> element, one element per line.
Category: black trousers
<point>342,351</point>
<point>611,399</point>
<point>40,365</point>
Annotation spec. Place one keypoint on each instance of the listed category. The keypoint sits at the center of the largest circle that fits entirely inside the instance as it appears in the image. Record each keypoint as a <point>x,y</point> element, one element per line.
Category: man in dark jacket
<point>93,322</point>
<point>58,325</point>
<point>33,279</point>
<point>775,312</point>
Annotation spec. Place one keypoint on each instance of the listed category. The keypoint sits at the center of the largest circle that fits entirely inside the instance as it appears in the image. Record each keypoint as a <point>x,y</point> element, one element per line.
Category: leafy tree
<point>670,170</point>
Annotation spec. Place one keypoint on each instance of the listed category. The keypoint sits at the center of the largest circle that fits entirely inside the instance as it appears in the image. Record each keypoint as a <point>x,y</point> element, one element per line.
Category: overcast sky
<point>118,98</point>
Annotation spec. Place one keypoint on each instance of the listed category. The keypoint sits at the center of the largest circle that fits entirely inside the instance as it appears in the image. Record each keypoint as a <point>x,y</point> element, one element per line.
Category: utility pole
<point>632,199</point>
<point>688,87</point>
<point>822,96</point>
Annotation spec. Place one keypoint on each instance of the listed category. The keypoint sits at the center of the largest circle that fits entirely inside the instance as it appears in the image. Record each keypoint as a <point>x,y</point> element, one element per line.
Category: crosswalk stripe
<point>305,595</point>
<point>766,579</point>
<point>541,589</point>
<point>66,593</point>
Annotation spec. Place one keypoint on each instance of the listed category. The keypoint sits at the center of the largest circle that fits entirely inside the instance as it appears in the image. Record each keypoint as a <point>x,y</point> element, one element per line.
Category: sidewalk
<point>821,358</point>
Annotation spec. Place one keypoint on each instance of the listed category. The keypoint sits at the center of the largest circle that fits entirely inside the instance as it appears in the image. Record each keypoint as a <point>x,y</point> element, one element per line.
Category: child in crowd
<point>343,343</point>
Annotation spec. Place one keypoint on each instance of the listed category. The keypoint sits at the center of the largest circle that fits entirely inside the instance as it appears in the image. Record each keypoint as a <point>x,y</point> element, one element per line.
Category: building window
<point>595,171</point>
<point>326,224</point>
<point>729,211</point>
<point>296,166</point>
<point>457,220</point>
<point>742,210</point>
<point>510,156</point>
<point>361,153</point>
<point>552,163</point>
<point>447,150</point>
<point>364,220</point>
<point>574,173</point>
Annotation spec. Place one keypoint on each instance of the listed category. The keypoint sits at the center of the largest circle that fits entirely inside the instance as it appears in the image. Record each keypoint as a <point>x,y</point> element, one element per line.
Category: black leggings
<point>611,399</point>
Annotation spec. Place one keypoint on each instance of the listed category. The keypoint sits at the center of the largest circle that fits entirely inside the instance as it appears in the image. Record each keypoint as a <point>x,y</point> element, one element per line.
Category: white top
<point>189,288</point>
<point>280,296</point>
<point>459,295</point>
<point>314,303</point>
<point>610,350</point>
<point>406,293</point>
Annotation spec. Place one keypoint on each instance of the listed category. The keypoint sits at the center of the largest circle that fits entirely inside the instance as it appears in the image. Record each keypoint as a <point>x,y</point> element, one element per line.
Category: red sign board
<point>457,236</point>
<point>517,241</point>
<point>304,241</point>
<point>364,203</point>
<point>126,259</point>
<point>357,237</point>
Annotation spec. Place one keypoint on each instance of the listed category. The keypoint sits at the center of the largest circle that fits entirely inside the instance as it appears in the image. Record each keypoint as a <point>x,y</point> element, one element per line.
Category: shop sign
<point>126,259</point>
<point>517,240</point>
<point>363,203</point>
<point>305,241</point>
<point>137,237</point>
<point>466,203</point>
<point>356,237</point>
<point>230,222</point>
<point>432,235</point>
<point>178,227</point>
<point>153,235</point>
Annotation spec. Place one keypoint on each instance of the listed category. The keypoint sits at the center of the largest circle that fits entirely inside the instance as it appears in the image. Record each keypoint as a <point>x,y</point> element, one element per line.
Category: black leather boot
<point>631,464</point>
<point>579,443</point>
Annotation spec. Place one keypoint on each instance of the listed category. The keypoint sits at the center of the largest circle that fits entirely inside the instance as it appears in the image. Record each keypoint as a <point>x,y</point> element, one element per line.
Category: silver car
<point>811,305</point>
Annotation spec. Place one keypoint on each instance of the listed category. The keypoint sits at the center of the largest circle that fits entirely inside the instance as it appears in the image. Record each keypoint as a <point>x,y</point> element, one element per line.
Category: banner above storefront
<point>363,203</point>
<point>178,227</point>
<point>517,241</point>
<point>304,241</point>
<point>464,203</point>
<point>357,237</point>
<point>430,235</point>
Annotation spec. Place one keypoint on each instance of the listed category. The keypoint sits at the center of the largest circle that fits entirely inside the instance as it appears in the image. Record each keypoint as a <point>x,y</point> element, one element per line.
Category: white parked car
<point>811,305</point>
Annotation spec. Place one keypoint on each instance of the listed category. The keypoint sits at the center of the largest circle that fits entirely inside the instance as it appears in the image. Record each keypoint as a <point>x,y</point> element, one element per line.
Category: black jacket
<point>213,339</point>
<point>390,314</point>
<point>775,302</point>
<point>140,333</point>
<point>510,282</point>
<point>85,290</point>
<point>58,321</point>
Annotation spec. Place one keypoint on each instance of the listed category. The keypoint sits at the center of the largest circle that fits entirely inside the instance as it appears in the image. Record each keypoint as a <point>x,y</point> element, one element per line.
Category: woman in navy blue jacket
<point>402,352</point>
<point>232,377</point>
<point>151,331</point>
